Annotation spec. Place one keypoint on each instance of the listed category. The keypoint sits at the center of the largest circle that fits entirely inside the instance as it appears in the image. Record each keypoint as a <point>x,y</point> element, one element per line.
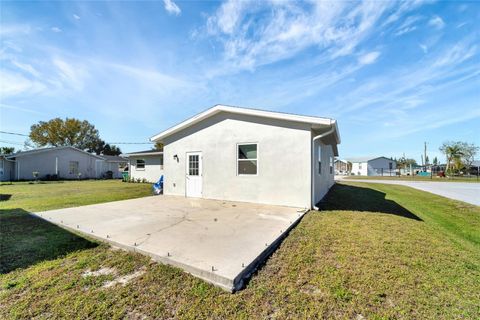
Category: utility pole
<point>425,155</point>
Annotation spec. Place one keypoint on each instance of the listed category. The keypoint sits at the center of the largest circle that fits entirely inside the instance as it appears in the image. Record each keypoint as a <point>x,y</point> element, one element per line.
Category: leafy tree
<point>435,161</point>
<point>405,162</point>
<point>458,154</point>
<point>69,132</point>
<point>111,150</point>
<point>470,150</point>
<point>7,150</point>
<point>106,149</point>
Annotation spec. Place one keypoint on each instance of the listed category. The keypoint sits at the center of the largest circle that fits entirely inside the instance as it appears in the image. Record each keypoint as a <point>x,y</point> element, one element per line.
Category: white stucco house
<point>58,163</point>
<point>146,165</point>
<point>250,155</point>
<point>373,166</point>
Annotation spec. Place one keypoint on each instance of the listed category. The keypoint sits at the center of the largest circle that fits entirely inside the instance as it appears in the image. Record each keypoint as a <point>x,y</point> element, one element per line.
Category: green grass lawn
<point>374,252</point>
<point>472,179</point>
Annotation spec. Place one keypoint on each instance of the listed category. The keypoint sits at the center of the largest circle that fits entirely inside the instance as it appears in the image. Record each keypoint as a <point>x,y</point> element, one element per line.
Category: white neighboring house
<point>146,165</point>
<point>114,164</point>
<point>240,154</point>
<point>57,162</point>
<point>373,166</point>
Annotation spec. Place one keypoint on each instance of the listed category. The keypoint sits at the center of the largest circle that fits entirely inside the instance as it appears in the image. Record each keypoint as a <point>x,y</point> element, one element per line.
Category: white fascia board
<point>143,154</point>
<point>253,112</point>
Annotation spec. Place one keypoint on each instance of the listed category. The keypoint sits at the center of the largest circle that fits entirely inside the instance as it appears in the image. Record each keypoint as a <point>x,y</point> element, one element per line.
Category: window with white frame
<point>140,164</point>
<point>247,161</point>
<point>319,159</point>
<point>73,167</point>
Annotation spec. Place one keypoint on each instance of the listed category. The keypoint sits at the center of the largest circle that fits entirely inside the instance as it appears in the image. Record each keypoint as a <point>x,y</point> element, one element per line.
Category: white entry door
<point>193,181</point>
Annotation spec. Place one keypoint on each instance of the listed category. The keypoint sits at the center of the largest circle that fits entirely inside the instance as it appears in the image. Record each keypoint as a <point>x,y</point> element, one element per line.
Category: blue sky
<point>394,74</point>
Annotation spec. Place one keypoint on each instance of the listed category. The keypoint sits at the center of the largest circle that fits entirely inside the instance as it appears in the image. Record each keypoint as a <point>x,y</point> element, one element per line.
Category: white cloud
<point>17,108</point>
<point>14,30</point>
<point>171,7</point>
<point>14,84</point>
<point>424,47</point>
<point>76,17</point>
<point>72,75</point>
<point>258,33</point>
<point>436,22</point>
<point>407,26</point>
<point>368,58</point>
<point>26,67</point>
<point>56,29</point>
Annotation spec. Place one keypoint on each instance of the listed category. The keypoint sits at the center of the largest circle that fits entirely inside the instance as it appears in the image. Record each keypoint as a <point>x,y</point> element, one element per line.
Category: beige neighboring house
<point>146,165</point>
<point>240,154</point>
<point>57,163</point>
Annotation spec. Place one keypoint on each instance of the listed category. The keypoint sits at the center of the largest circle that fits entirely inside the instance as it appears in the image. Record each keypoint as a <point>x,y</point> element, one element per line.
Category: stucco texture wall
<point>283,177</point>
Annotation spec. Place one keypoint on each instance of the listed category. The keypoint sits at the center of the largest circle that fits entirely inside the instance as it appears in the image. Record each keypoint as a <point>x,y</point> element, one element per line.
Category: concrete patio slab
<point>221,242</point>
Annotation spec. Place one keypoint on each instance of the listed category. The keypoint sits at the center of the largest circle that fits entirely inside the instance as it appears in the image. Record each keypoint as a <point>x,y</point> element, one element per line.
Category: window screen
<point>140,164</point>
<point>247,159</point>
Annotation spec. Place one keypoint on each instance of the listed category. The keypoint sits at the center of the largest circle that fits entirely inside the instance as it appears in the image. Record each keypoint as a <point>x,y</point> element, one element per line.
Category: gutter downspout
<point>320,136</point>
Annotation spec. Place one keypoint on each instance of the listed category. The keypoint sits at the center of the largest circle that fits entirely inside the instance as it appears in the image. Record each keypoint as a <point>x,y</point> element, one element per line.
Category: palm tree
<point>453,152</point>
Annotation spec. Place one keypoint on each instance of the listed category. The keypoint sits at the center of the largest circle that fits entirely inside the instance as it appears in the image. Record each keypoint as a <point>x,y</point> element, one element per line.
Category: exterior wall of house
<point>360,168</point>
<point>7,170</point>
<point>45,163</point>
<point>323,178</point>
<point>283,160</point>
<point>340,166</point>
<point>153,167</point>
<point>114,167</point>
<point>379,166</point>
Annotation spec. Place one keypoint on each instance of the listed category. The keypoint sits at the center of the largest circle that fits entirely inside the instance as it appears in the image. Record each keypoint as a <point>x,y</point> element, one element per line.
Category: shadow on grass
<point>26,240</point>
<point>5,197</point>
<point>351,198</point>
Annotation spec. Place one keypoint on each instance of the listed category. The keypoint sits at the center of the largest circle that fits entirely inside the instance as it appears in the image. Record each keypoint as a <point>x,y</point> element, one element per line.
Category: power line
<point>130,142</point>
<point>14,133</point>
<point>12,142</point>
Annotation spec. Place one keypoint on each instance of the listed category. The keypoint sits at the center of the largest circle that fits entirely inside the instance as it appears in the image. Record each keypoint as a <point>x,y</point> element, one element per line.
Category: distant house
<point>342,166</point>
<point>373,166</point>
<point>57,163</point>
<point>114,164</point>
<point>146,165</point>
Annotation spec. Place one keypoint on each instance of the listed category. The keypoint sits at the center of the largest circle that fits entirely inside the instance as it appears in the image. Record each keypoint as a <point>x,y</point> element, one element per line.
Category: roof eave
<point>222,108</point>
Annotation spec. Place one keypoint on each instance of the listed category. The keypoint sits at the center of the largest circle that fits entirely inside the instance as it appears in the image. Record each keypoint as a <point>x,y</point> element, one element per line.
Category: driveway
<point>464,191</point>
<point>221,242</point>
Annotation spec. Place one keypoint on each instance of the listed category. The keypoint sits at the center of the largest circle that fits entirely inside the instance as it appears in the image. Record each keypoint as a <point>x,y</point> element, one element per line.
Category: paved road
<point>463,191</point>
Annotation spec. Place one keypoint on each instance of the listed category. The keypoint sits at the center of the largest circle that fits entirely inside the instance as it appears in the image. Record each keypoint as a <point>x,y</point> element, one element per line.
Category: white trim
<point>252,112</point>
<point>237,159</point>
<point>56,166</point>
<point>153,153</point>
<point>200,172</point>
<point>144,165</point>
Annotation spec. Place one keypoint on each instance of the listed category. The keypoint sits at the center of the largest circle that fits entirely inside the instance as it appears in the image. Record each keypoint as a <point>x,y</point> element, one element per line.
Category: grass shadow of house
<point>353,198</point>
<point>5,197</point>
<point>26,240</point>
